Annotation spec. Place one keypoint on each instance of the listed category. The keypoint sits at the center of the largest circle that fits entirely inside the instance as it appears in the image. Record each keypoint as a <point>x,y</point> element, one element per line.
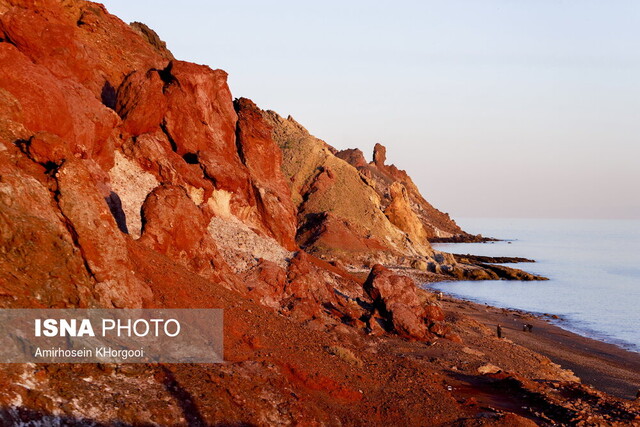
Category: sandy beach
<point>604,366</point>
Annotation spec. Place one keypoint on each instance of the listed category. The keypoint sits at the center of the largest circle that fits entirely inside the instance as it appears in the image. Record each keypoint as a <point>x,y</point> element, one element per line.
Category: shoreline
<point>551,318</point>
<point>605,366</point>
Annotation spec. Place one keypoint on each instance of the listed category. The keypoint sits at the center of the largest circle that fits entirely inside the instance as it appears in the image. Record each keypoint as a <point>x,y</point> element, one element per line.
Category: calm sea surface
<point>593,267</point>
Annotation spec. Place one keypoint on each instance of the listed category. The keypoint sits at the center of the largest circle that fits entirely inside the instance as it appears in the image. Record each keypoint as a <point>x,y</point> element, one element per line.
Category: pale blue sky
<point>508,108</point>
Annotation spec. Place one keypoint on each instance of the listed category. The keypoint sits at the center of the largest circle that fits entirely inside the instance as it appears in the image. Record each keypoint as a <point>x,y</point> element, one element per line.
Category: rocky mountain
<point>131,179</point>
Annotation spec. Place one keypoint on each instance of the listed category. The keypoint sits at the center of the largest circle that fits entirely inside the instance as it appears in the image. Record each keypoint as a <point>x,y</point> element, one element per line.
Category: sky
<point>511,108</point>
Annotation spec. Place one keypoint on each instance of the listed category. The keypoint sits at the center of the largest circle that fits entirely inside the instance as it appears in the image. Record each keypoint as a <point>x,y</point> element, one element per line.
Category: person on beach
<point>499,331</point>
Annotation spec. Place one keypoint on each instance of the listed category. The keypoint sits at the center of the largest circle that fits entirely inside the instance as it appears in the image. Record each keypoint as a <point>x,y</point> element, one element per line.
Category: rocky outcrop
<point>384,178</point>
<point>353,156</point>
<point>78,43</point>
<point>469,259</point>
<point>153,39</point>
<point>408,309</point>
<point>263,160</point>
<point>319,182</point>
<point>385,219</point>
<point>327,235</point>
<point>402,216</point>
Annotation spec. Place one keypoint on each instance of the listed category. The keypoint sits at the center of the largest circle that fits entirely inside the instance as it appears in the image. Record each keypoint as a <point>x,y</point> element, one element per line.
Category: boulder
<point>353,156</point>
<point>420,264</point>
<point>407,322</point>
<point>398,298</point>
<point>266,283</point>
<point>306,282</point>
<point>140,102</point>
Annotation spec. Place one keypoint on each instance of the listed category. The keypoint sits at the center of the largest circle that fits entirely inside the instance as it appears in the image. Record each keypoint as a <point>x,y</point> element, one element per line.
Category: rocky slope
<point>353,212</point>
<point>131,179</point>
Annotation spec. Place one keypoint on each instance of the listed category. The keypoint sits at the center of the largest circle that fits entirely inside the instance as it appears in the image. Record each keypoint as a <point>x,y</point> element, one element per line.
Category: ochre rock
<point>402,216</point>
<point>383,177</point>
<point>434,222</point>
<point>379,155</point>
<point>320,181</point>
<point>353,156</point>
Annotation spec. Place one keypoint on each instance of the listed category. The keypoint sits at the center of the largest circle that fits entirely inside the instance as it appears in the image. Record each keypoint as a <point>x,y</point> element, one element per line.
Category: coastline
<point>605,366</point>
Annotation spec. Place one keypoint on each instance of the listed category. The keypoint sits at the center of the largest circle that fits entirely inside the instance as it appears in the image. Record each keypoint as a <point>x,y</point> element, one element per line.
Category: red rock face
<point>78,41</point>
<point>41,265</point>
<point>60,107</point>
<point>140,102</point>
<point>263,159</point>
<point>102,244</point>
<point>62,75</point>
<point>200,123</point>
<point>76,86</point>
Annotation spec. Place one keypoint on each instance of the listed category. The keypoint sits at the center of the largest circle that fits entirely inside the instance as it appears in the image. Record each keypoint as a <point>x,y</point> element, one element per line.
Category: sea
<point>593,268</point>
